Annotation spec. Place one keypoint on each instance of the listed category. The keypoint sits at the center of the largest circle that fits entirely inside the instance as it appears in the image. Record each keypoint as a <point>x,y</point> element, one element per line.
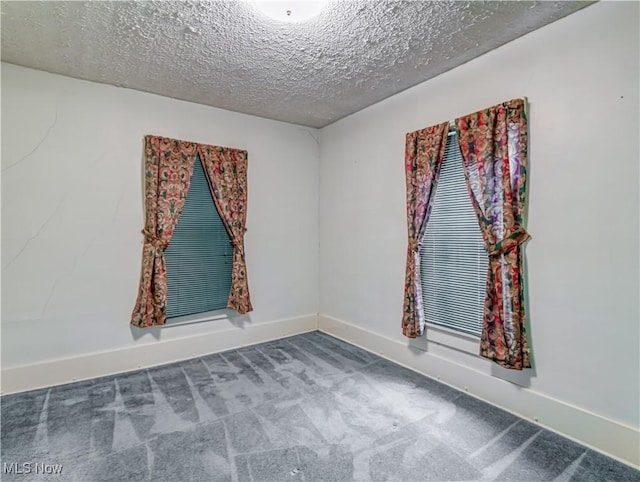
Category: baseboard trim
<point>66,370</point>
<point>613,438</point>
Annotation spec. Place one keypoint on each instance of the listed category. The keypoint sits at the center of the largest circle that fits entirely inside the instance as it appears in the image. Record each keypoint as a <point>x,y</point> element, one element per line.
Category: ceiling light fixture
<point>290,11</point>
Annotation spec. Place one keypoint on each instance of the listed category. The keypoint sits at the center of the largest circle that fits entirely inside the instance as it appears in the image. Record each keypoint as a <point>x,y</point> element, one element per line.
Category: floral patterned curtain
<point>168,166</point>
<point>423,157</point>
<point>226,171</point>
<point>494,148</point>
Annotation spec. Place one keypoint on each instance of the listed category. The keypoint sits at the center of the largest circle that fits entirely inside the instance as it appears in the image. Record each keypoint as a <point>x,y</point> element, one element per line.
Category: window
<point>453,259</point>
<point>200,254</point>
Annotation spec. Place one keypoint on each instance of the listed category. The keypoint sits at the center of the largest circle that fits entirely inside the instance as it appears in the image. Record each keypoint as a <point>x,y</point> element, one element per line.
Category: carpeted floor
<point>306,408</point>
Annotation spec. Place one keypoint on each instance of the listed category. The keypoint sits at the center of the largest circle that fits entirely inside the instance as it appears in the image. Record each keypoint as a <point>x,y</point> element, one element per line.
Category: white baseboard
<point>98,364</point>
<point>610,437</point>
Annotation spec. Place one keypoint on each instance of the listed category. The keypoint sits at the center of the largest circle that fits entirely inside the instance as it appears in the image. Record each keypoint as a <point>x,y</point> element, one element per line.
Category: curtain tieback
<point>238,241</point>
<point>414,245</point>
<point>510,242</point>
<point>154,241</point>
<point>238,244</point>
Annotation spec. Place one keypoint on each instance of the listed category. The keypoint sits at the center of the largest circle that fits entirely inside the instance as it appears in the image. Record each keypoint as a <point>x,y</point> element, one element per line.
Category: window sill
<point>198,318</point>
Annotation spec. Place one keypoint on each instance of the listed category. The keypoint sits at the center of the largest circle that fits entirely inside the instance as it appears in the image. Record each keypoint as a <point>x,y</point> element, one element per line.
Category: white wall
<point>580,75</point>
<point>72,213</point>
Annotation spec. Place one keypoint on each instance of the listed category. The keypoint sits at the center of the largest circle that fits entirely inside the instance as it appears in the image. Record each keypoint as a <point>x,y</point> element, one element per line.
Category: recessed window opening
<point>453,259</point>
<point>200,255</point>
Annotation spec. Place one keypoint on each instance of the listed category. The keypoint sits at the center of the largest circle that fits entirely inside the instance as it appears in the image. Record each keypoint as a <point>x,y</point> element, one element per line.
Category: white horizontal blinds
<point>200,254</point>
<point>453,260</point>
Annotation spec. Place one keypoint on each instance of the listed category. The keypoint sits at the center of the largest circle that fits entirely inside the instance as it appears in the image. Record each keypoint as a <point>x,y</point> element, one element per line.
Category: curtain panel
<point>226,171</point>
<point>168,166</point>
<point>494,149</point>
<point>424,153</point>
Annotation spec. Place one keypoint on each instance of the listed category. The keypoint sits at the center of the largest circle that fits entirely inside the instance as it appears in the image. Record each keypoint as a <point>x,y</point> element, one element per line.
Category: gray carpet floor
<point>306,408</point>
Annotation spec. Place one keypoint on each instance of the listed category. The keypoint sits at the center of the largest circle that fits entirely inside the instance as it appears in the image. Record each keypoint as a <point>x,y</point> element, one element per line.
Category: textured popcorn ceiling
<point>228,55</point>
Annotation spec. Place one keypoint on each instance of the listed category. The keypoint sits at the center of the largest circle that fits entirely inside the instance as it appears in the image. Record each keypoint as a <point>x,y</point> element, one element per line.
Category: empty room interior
<point>320,241</point>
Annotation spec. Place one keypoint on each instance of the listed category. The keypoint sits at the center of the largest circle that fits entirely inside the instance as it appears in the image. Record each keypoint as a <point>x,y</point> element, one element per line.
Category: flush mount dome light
<point>291,10</point>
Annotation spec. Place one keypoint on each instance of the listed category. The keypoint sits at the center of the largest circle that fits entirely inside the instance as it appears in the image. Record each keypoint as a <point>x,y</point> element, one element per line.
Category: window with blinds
<point>200,254</point>
<point>453,260</point>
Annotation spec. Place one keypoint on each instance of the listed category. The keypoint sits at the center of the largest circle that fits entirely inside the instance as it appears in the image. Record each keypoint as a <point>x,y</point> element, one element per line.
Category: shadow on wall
<point>419,346</point>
